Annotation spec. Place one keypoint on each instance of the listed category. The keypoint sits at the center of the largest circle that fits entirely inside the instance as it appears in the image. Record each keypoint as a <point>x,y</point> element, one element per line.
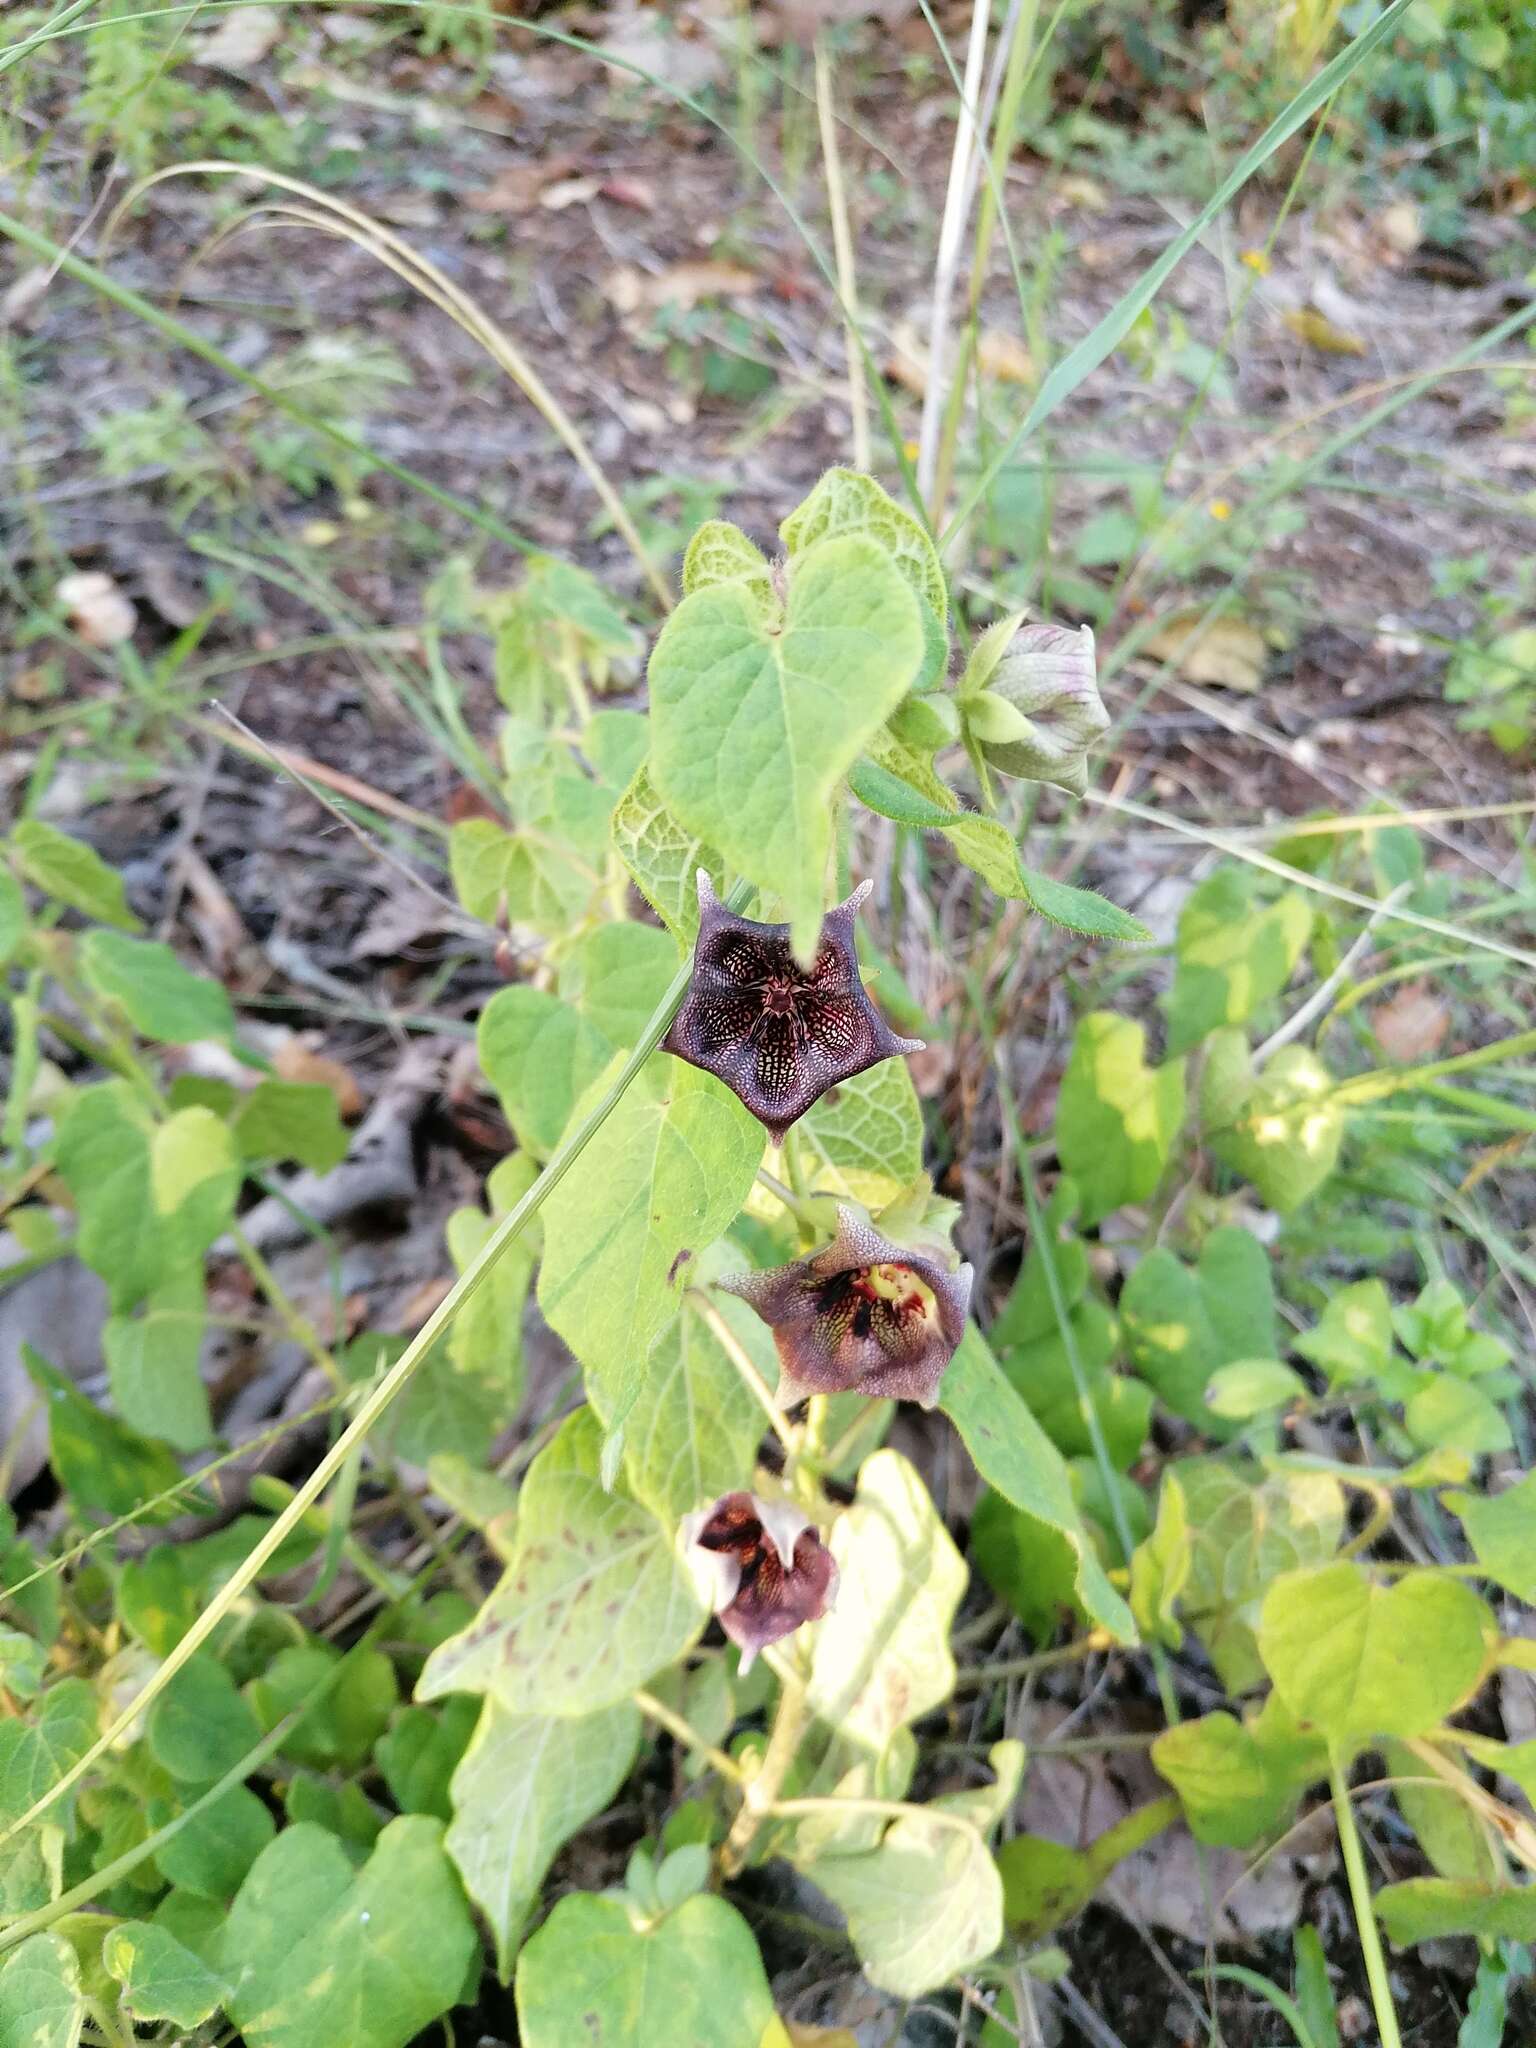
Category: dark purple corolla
<point>862,1315</point>
<point>772,1570</point>
<point>777,1034</point>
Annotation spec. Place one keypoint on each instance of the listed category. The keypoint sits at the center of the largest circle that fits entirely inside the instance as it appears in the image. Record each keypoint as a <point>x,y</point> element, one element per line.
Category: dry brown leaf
<point>22,299</point>
<point>220,928</point>
<point>97,607</point>
<point>241,40</point>
<point>1319,332</point>
<point>681,284</point>
<point>1088,193</point>
<point>1075,1799</point>
<point>907,362</point>
<point>638,193</point>
<point>1002,355</point>
<point>1412,1024</point>
<point>1228,652</point>
<point>294,1060</point>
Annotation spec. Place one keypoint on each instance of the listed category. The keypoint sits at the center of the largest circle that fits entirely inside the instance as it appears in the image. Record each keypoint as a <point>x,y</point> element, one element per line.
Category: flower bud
<point>1039,709</point>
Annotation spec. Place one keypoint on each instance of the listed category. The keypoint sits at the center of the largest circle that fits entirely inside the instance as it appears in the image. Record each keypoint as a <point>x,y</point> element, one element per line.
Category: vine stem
<point>761,1797</point>
<point>683,1731</point>
<point>737,1353</point>
<point>1360,1898</point>
<point>383,1395</point>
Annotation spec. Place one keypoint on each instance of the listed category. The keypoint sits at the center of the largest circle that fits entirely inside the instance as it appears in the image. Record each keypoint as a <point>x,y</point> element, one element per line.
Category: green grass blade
<point>1080,362</point>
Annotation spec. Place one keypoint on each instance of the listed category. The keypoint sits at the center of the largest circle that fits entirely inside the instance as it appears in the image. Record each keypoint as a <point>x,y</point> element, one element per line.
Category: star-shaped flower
<point>862,1315</point>
<point>777,1034</point>
<point>772,1569</point>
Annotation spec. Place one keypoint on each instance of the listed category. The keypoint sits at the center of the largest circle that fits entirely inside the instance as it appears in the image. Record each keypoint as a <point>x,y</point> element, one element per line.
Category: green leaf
<point>663,857</point>
<point>485,1340</point>
<point>99,1461</point>
<point>153,1363</point>
<point>1451,1833</point>
<point>291,1120</point>
<point>1431,1908</point>
<point>847,502</point>
<point>1042,1373</point>
<point>1117,1118</point>
<point>530,877</point>
<point>350,1709</point>
<point>1045,1883</point>
<point>927,1903</point>
<point>624,1231</point>
<point>1357,1660</point>
<point>1080,910</point>
<point>693,1979</point>
<point>863,1141</point>
<point>1231,956</point>
<point>194,1177</point>
<point>1501,1529</point>
<point>1230,1795</point>
<point>722,553</point>
<point>41,2002</point>
<point>161,1980</point>
<point>616,742</point>
<point>540,1056</point>
<point>1013,1454</point>
<point>1454,1414</point>
<point>211,1853</point>
<point>320,1953</point>
<point>420,1750</point>
<point>1252,1386</point>
<point>102,1146</point>
<point>1181,1323</point>
<point>1353,1341</point>
<point>617,976</point>
<point>1032,1567</point>
<point>1280,1129</point>
<point>695,1424</point>
<point>13,914</point>
<point>1241,1529</point>
<point>71,872</point>
<point>36,1751</point>
<point>752,729</point>
<point>1031,1308</point>
<point>593,1600</point>
<point>200,1727</point>
<point>162,999</point>
<point>891,796</point>
<point>883,1659</point>
<point>524,1787</point>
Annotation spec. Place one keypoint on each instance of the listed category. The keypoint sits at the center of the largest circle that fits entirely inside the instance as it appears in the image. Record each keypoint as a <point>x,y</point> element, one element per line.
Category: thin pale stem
<point>957,200</point>
<point>682,1731</point>
<point>842,247</point>
<point>762,1792</point>
<point>736,1352</point>
<point>1360,1898</point>
<point>973,1676</point>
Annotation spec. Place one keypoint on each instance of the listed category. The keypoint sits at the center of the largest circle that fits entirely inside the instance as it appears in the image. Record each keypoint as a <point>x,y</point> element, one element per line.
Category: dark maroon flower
<point>778,1034</point>
<point>772,1569</point>
<point>861,1315</point>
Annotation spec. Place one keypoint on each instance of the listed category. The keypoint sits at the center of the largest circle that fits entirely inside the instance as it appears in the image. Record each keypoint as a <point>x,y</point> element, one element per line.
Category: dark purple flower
<point>862,1315</point>
<point>772,1569</point>
<point>777,1034</point>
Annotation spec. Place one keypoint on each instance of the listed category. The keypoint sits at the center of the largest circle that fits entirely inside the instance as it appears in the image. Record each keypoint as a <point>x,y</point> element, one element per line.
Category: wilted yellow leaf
<point>1319,332</point>
<point>1002,355</point>
<point>682,284</point>
<point>1228,652</point>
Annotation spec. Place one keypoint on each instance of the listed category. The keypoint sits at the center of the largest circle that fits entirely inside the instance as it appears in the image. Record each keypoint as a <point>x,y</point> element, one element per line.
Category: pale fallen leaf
<point>517,188</point>
<point>1228,652</point>
<point>638,193</point>
<point>1319,332</point>
<point>295,1060</point>
<point>1412,1024</point>
<point>220,928</point>
<point>907,362</point>
<point>1002,355</point>
<point>681,284</point>
<point>98,610</point>
<point>655,41</point>
<point>569,192</point>
<point>241,39</point>
<point>1400,227</point>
